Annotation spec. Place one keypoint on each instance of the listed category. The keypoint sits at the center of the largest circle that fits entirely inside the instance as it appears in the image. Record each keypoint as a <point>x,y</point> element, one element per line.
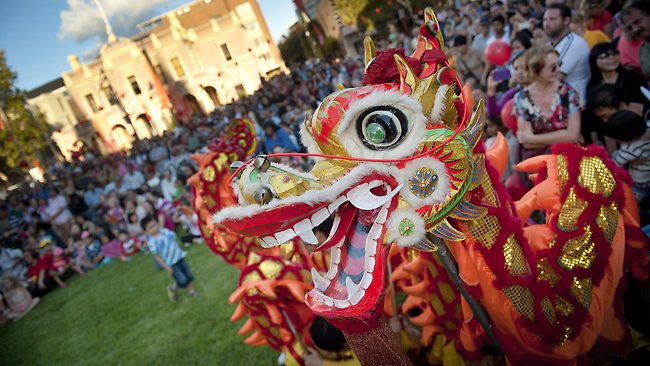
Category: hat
<point>45,241</point>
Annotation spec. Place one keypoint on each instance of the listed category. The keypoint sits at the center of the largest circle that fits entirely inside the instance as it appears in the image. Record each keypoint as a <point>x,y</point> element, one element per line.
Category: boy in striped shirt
<point>164,247</point>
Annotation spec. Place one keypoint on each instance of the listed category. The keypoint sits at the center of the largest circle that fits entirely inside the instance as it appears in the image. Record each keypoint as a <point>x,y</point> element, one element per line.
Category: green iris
<point>376,133</point>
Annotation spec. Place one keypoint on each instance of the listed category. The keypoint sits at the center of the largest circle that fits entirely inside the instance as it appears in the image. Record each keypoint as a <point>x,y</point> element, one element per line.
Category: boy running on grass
<point>162,244</point>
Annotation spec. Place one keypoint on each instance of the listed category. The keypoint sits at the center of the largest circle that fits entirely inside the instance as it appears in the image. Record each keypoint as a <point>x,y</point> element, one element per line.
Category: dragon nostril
<point>263,195</point>
<point>262,163</point>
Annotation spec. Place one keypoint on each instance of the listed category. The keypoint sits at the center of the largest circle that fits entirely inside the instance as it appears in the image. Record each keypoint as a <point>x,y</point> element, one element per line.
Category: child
<point>93,248</point>
<point>631,131</point>
<point>19,300</point>
<point>162,244</point>
<point>112,249</point>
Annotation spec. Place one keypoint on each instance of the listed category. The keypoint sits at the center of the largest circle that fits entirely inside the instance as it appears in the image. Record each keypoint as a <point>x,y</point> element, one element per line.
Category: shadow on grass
<point>120,314</point>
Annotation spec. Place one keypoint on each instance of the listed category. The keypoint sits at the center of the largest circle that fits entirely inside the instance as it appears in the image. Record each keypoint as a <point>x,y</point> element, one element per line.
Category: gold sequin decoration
<point>595,177</point>
<point>485,230</point>
<point>437,304</point>
<point>208,174</point>
<point>563,306</point>
<point>514,257</point>
<point>578,251</point>
<point>607,220</point>
<point>209,202</point>
<point>562,171</point>
<point>581,290</point>
<point>447,292</point>
<point>547,273</point>
<point>566,336</point>
<point>270,268</point>
<point>489,193</point>
<point>571,210</point>
<point>522,300</point>
<point>450,325</point>
<point>548,310</point>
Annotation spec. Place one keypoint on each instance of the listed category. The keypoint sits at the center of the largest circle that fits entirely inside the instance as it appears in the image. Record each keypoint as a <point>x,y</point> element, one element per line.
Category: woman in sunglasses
<point>548,109</point>
<point>606,68</point>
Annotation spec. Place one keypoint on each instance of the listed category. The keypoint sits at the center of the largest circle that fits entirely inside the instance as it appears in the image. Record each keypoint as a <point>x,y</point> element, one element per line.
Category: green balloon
<point>376,133</point>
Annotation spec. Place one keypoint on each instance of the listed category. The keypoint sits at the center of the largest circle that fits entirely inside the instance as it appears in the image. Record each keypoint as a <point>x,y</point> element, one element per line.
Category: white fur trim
<point>442,189</point>
<point>419,229</point>
<point>308,139</point>
<point>439,104</point>
<point>313,197</point>
<point>411,108</point>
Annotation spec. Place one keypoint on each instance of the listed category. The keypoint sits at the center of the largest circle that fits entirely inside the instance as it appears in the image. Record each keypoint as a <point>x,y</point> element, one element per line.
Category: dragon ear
<point>369,51</point>
<point>408,80</point>
<point>472,133</point>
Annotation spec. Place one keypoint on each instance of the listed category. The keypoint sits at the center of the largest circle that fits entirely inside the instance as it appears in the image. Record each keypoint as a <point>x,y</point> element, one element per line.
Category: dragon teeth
<point>304,230</point>
<point>366,281</point>
<point>268,242</point>
<point>319,282</point>
<point>284,236</point>
<point>320,216</point>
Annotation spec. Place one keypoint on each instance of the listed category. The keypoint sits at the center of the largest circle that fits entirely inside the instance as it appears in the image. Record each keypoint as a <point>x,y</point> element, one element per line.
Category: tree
<point>349,10</point>
<point>295,47</point>
<point>22,136</point>
<point>331,48</point>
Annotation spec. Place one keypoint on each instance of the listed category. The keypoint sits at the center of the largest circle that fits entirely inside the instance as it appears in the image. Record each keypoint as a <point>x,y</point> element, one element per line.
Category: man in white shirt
<point>499,30</point>
<point>132,179</point>
<point>58,214</point>
<point>573,49</point>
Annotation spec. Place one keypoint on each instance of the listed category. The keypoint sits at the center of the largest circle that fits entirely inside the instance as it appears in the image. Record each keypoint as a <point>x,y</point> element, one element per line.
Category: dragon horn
<point>239,313</point>
<point>408,81</point>
<point>433,27</point>
<point>413,86</point>
<point>369,51</point>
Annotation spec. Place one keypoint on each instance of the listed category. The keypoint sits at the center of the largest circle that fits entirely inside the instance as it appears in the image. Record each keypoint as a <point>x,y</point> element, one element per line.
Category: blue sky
<point>38,35</point>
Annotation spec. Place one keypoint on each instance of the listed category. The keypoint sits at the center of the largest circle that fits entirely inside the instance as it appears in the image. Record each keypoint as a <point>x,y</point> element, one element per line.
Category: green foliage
<point>349,10</point>
<point>119,314</point>
<point>331,48</point>
<point>23,135</point>
<point>295,47</point>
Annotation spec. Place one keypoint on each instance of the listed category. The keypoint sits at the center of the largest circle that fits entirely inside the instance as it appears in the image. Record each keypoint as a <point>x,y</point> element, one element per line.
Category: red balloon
<point>498,52</point>
<point>509,120</point>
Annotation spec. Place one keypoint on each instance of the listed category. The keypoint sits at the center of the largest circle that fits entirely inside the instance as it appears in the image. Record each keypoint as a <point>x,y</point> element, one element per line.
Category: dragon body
<point>401,164</point>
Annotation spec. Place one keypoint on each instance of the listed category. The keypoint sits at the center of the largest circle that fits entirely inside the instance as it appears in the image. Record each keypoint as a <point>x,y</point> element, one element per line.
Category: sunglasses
<point>607,54</point>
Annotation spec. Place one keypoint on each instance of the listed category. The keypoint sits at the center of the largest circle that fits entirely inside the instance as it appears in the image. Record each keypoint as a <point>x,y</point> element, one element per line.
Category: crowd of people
<point>575,75</point>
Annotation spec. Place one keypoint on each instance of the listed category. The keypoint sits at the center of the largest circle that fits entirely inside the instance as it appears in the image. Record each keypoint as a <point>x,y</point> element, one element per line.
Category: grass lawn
<point>120,314</point>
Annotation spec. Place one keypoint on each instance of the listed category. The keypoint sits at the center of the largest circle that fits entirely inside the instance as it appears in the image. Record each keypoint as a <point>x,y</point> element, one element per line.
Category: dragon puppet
<point>400,163</point>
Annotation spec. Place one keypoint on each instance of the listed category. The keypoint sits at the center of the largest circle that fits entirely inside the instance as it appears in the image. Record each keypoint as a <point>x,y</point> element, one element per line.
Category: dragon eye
<point>381,127</point>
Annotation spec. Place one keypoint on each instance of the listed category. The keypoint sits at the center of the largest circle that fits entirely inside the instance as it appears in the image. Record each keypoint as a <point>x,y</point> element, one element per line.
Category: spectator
<point>11,262</point>
<point>631,131</point>
<point>276,136</point>
<point>168,184</point>
<point>606,68</point>
<point>58,215</point>
<point>593,37</point>
<point>547,109</point>
<point>19,300</point>
<point>597,17</point>
<point>133,179</point>
<point>499,30</point>
<point>522,41</point>
<point>480,39</point>
<point>162,244</point>
<point>572,49</point>
<point>636,20</point>
<point>469,61</point>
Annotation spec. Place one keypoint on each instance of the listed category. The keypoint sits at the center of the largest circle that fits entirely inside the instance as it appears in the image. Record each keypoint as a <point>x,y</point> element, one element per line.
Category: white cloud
<point>81,21</point>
